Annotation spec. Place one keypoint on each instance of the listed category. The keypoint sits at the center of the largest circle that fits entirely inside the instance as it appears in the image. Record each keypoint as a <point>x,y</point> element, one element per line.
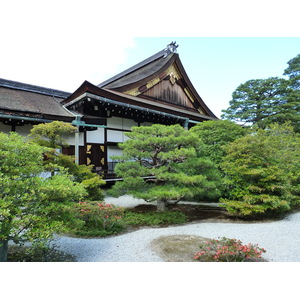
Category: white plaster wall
<point>128,123</point>
<point>113,150</point>
<point>115,136</point>
<point>120,123</point>
<point>95,136</point>
<point>70,139</point>
<point>114,122</point>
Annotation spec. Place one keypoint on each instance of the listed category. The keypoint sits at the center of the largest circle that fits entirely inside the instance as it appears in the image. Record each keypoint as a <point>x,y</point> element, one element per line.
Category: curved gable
<point>160,78</point>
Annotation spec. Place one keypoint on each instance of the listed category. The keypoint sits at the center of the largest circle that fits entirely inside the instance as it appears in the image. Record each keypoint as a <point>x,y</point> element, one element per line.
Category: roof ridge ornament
<point>171,48</point>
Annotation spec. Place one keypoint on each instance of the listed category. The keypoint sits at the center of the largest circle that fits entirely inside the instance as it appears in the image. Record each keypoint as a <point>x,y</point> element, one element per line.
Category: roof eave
<point>89,90</point>
<point>192,88</point>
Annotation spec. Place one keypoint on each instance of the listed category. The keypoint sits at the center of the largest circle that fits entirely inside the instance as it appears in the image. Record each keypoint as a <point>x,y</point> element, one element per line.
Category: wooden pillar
<point>186,124</point>
<point>77,145</point>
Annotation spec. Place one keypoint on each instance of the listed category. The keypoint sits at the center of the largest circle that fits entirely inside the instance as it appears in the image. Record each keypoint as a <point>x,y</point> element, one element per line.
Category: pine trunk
<point>162,205</point>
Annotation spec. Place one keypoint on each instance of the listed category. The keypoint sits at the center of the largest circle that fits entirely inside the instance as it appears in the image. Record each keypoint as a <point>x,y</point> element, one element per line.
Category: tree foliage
<point>216,134</point>
<point>257,101</point>
<point>265,101</point>
<point>293,72</point>
<point>164,163</point>
<point>263,172</point>
<point>52,134</point>
<point>293,103</point>
<point>92,182</point>
<point>32,207</point>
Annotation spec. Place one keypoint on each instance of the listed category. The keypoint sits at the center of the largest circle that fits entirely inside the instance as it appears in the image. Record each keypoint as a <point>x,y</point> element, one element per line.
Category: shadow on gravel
<point>192,212</point>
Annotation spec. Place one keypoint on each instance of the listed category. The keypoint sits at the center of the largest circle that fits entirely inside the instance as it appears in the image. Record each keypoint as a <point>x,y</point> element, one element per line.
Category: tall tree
<point>259,102</point>
<point>293,71</point>
<point>266,101</point>
<point>163,163</point>
<point>293,100</point>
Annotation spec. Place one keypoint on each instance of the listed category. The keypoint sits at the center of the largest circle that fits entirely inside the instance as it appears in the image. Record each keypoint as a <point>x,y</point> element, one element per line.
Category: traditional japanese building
<point>156,90</point>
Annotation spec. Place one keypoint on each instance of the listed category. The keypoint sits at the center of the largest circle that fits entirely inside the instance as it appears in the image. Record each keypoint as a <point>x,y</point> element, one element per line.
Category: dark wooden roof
<point>23,99</point>
<point>138,72</point>
<point>144,80</point>
<point>91,90</point>
<point>33,88</point>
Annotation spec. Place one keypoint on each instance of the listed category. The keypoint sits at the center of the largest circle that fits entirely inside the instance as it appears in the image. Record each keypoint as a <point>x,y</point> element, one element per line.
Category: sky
<point>60,44</point>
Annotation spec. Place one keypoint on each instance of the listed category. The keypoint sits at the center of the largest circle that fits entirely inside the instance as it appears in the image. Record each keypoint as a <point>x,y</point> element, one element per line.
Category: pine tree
<point>262,102</point>
<point>164,163</point>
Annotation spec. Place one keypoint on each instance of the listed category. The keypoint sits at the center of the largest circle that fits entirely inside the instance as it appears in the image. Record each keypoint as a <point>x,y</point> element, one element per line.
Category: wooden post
<point>77,145</point>
<point>186,124</point>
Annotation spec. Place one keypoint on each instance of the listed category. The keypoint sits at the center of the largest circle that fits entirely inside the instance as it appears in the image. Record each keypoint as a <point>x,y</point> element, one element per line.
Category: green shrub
<point>93,219</point>
<point>216,134</point>
<point>154,218</point>
<point>83,174</point>
<point>263,173</point>
<point>52,135</point>
<point>38,252</point>
<point>97,219</point>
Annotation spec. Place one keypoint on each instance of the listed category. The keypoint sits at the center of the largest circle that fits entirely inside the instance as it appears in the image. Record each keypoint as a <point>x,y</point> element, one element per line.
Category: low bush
<point>38,253</point>
<point>227,250</point>
<point>97,219</point>
<point>82,174</point>
<point>154,218</point>
<point>94,219</point>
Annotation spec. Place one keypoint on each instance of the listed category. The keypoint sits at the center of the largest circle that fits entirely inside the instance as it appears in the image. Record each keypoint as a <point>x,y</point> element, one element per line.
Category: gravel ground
<point>281,239</point>
<point>128,201</point>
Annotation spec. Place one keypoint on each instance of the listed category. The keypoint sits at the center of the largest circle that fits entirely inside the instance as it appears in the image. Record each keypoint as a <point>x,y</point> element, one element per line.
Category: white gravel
<point>129,201</point>
<point>281,239</point>
<point>125,201</point>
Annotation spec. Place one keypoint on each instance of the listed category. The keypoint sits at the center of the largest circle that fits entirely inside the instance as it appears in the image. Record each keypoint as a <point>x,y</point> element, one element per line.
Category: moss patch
<point>177,248</point>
